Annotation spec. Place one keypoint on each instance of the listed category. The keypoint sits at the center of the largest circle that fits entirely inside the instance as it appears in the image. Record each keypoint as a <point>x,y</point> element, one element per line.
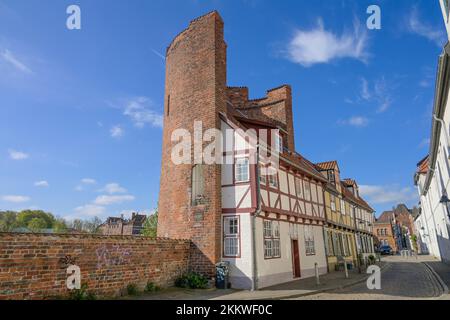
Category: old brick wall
<point>33,266</point>
<point>195,90</point>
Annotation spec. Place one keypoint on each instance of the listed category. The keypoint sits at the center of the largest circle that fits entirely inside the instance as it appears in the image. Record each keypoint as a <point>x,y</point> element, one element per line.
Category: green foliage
<point>8,221</point>
<point>371,259</point>
<point>132,289</point>
<point>60,226</point>
<point>151,287</point>
<point>37,224</point>
<point>82,294</point>
<point>151,226</point>
<point>26,216</point>
<point>192,280</point>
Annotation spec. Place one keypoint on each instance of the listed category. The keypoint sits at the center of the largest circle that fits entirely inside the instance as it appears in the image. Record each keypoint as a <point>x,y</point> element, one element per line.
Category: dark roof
<point>385,217</point>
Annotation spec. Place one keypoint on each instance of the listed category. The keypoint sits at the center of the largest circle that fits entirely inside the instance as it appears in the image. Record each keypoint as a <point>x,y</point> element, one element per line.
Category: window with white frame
<point>307,190</point>
<point>242,170</point>
<point>342,207</point>
<point>231,237</point>
<point>333,202</point>
<point>273,180</point>
<point>298,188</point>
<point>262,174</point>
<point>309,241</point>
<point>278,143</point>
<point>271,239</point>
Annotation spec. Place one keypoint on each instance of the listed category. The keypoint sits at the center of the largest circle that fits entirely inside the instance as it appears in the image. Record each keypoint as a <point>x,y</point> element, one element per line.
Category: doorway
<point>296,259</point>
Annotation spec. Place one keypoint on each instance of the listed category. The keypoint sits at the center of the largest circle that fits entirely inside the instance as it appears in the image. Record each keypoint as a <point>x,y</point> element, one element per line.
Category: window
<point>242,170</point>
<point>331,176</point>
<point>333,202</point>
<point>342,207</point>
<point>298,188</point>
<point>262,174</point>
<point>168,105</point>
<point>330,243</point>
<point>273,180</point>
<point>197,185</point>
<point>279,143</point>
<point>271,239</point>
<point>309,241</point>
<point>307,189</point>
<point>231,238</point>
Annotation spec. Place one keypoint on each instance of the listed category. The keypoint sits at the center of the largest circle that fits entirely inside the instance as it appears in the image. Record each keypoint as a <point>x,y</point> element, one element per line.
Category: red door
<point>296,259</point>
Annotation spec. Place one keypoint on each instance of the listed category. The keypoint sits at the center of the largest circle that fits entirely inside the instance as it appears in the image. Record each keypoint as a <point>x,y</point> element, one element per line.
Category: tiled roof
<point>358,200</point>
<point>329,165</point>
<point>385,217</point>
<point>349,182</point>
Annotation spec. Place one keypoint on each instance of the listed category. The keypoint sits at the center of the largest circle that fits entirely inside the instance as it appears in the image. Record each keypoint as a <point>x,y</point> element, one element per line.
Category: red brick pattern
<point>34,266</point>
<point>195,90</point>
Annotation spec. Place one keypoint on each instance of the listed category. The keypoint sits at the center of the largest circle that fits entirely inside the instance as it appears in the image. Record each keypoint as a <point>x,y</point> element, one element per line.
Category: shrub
<point>132,289</point>
<point>82,294</point>
<point>192,280</point>
<point>151,287</point>
<point>372,259</point>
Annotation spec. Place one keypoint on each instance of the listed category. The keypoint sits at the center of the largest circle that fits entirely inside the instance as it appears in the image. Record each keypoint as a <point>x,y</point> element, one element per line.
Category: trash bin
<point>222,271</point>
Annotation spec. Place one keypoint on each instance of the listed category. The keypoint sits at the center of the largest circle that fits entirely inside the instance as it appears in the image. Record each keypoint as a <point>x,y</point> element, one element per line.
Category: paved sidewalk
<point>298,288</point>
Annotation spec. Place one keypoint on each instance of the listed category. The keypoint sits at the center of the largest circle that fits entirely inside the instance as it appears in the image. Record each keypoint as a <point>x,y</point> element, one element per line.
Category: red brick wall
<point>195,90</point>
<point>34,266</point>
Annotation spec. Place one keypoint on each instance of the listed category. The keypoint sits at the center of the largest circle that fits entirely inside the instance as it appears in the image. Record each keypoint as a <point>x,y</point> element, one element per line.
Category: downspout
<point>253,221</point>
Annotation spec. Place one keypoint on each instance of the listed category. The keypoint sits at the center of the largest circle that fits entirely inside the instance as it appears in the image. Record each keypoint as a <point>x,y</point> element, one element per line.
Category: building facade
<point>384,231</point>
<point>259,205</point>
<point>339,233</point>
<point>115,226</point>
<point>432,177</point>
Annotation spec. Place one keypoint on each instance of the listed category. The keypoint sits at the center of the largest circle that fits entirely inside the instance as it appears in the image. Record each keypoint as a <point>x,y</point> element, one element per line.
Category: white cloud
<point>356,121</point>
<point>79,188</point>
<point>105,200</point>
<point>90,210</point>
<point>321,46</point>
<point>387,194</point>
<point>139,110</point>
<point>17,155</point>
<point>42,183</point>
<point>432,33</point>
<point>365,93</point>
<point>378,94</point>
<point>116,132</point>
<point>15,198</point>
<point>10,58</point>
<point>113,188</point>
<point>88,181</point>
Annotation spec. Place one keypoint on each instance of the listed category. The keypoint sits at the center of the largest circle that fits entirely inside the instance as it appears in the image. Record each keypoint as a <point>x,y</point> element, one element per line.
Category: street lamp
<point>445,201</point>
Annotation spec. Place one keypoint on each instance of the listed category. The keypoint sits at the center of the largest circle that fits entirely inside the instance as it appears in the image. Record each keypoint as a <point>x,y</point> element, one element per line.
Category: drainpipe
<point>253,221</point>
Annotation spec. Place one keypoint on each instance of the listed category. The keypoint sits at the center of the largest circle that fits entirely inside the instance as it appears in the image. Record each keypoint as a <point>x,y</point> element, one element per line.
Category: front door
<point>296,259</point>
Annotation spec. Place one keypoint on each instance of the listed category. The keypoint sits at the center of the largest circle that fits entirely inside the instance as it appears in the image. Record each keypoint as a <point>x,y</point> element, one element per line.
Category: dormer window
<point>278,143</point>
<point>331,176</point>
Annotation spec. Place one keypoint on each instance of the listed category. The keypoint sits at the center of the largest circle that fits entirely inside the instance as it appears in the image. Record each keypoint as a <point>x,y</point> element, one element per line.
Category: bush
<point>372,259</point>
<point>151,287</point>
<point>82,294</point>
<point>132,289</point>
<point>192,281</point>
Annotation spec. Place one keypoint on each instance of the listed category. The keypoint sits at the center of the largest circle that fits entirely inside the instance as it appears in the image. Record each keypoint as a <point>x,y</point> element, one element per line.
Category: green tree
<point>24,217</point>
<point>8,221</point>
<point>37,224</point>
<point>151,225</point>
<point>92,226</point>
<point>60,226</point>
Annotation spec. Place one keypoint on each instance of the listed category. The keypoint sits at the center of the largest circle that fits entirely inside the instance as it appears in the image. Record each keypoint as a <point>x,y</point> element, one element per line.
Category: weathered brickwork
<point>34,266</point>
<point>195,90</point>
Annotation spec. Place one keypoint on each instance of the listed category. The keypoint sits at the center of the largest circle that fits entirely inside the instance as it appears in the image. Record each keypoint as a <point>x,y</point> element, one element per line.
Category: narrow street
<point>402,279</point>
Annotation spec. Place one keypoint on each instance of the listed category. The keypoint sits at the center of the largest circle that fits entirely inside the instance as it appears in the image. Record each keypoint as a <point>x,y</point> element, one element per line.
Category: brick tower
<point>195,90</point>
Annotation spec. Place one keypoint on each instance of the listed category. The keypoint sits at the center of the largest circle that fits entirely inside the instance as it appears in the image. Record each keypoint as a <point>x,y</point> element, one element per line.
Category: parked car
<point>386,250</point>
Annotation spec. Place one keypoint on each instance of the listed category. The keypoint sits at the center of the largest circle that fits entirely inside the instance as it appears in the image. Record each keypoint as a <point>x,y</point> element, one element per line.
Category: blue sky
<point>80,110</point>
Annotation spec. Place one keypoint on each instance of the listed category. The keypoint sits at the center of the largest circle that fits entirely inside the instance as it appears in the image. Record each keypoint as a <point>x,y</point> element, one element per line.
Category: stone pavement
<point>298,288</point>
<point>403,279</point>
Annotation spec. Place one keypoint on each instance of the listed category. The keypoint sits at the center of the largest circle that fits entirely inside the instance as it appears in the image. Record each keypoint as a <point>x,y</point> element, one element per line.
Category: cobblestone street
<point>402,279</point>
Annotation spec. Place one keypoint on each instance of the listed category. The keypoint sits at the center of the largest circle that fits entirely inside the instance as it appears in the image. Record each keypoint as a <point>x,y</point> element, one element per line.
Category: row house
<point>385,232</point>
<point>345,241</point>
<point>432,176</point>
<point>263,217</point>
